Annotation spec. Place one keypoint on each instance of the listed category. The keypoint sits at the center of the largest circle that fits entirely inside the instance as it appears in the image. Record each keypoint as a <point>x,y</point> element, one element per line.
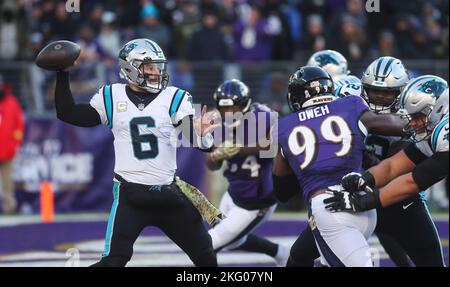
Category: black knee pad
<point>111,262</point>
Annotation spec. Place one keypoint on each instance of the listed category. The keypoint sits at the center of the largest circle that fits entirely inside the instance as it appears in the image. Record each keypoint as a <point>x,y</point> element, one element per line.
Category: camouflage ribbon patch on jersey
<point>209,212</point>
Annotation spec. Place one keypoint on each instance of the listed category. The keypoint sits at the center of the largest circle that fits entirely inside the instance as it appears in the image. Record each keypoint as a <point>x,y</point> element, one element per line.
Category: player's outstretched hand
<point>340,201</point>
<point>206,122</point>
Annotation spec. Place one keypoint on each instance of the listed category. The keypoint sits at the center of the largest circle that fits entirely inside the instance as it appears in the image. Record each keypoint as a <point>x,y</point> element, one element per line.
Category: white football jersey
<point>438,141</point>
<point>144,146</point>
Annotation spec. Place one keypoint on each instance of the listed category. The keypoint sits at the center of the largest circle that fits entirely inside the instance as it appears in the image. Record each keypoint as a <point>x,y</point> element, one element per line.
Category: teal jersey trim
<point>437,132</point>
<point>176,102</point>
<point>435,230</point>
<point>112,217</point>
<point>107,97</point>
<point>422,196</point>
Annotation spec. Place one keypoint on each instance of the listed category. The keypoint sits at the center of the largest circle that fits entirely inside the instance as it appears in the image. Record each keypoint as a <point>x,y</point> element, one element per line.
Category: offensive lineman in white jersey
<point>143,116</point>
<point>424,101</point>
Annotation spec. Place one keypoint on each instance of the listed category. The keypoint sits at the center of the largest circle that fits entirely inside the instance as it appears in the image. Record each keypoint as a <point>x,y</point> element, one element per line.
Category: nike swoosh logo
<point>408,205</point>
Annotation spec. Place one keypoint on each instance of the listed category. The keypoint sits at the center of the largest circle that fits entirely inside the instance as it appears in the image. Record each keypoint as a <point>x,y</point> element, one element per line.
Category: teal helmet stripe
<point>156,49</point>
<point>151,44</point>
<point>377,72</point>
<point>386,68</point>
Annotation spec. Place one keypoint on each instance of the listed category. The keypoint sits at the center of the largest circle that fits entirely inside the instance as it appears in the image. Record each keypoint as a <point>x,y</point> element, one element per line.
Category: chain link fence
<point>267,80</point>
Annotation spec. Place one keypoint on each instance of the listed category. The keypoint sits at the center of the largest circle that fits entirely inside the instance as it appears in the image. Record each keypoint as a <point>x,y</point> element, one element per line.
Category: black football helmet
<point>309,86</point>
<point>233,93</point>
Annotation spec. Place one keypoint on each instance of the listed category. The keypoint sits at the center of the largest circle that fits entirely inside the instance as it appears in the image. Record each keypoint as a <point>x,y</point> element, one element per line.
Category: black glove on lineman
<point>350,201</point>
<point>354,182</point>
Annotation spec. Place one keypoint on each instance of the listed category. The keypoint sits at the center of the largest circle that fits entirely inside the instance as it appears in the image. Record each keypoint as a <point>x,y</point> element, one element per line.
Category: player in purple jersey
<point>321,140</point>
<point>249,200</point>
<point>383,81</point>
<point>425,102</point>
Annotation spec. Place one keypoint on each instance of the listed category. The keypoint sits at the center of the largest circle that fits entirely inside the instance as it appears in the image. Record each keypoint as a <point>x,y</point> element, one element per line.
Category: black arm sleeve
<point>431,170</point>
<point>82,115</point>
<point>414,154</point>
<point>370,159</point>
<point>187,128</point>
<point>285,187</point>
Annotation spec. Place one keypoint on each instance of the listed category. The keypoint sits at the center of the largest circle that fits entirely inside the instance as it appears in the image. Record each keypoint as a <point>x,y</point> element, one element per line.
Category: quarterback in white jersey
<point>143,116</point>
<point>143,134</point>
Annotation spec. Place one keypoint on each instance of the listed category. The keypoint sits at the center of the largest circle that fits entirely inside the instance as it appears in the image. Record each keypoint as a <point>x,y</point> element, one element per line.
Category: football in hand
<point>58,55</point>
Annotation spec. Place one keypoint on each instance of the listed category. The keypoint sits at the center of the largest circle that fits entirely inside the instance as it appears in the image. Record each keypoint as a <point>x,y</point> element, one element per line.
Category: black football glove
<point>349,201</point>
<point>354,182</point>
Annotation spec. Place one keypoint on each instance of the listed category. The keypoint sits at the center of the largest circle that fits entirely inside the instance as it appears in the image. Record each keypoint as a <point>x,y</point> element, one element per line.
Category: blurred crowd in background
<point>229,30</point>
<point>265,40</point>
<point>206,41</point>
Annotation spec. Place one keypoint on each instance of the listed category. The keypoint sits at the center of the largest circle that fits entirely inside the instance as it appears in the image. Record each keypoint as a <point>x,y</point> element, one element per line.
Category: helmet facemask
<point>419,126</point>
<point>152,75</point>
<point>381,100</point>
